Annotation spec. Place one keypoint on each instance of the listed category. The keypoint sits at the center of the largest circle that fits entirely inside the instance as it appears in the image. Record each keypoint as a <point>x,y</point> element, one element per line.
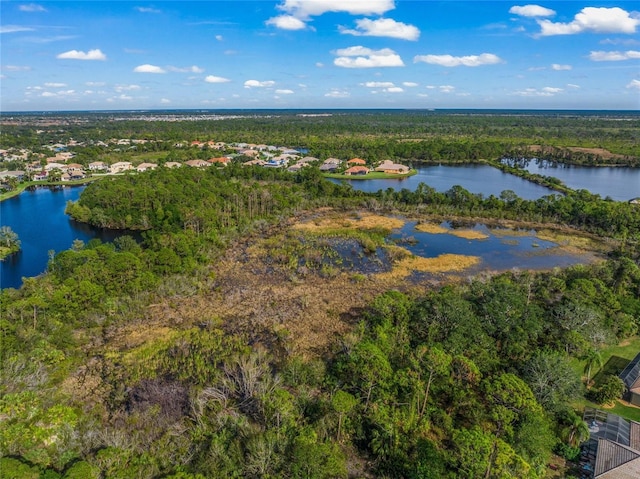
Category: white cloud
<point>362,57</point>
<point>298,12</point>
<point>79,55</point>
<point>531,11</point>
<point>319,64</point>
<point>409,84</point>
<point>451,61</point>
<point>191,69</point>
<point>165,101</point>
<point>259,84</point>
<point>534,92</point>
<point>620,41</point>
<point>593,19</point>
<point>635,84</point>
<point>393,89</point>
<point>308,8</point>
<point>336,93</point>
<point>95,83</point>
<point>148,10</point>
<point>378,84</point>
<point>16,68</point>
<point>383,27</point>
<point>219,38</point>
<point>32,7</point>
<point>47,94</point>
<point>215,79</point>
<point>284,92</point>
<point>146,68</point>
<point>287,22</point>
<point>43,40</point>
<point>446,88</point>
<point>121,88</point>
<point>55,85</point>
<point>601,56</point>
<point>558,67</point>
<point>572,85</point>
<point>14,29</point>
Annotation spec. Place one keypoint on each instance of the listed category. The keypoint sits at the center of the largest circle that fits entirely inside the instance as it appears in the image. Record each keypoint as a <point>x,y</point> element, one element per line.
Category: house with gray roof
<point>631,377</point>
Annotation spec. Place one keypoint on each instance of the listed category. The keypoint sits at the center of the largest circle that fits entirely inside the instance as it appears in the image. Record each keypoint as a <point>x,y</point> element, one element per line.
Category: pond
<point>38,217</point>
<point>499,249</point>
<point>483,179</point>
<point>618,183</point>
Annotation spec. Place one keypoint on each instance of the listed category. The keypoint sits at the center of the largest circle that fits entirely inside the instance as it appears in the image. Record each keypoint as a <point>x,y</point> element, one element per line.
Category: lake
<point>483,179</point>
<point>619,183</point>
<point>37,216</point>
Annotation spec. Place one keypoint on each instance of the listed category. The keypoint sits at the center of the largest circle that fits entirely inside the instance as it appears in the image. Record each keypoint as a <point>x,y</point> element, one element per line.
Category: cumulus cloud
<point>383,27</point>
<point>446,88</point>
<point>635,84</point>
<point>298,12</point>
<point>362,57</point>
<point>32,7</point>
<point>284,92</point>
<point>259,84</point>
<point>336,93</point>
<point>191,69</point>
<point>216,79</point>
<point>55,85</point>
<point>409,84</point>
<point>122,88</point>
<point>532,11</point>
<point>287,22</point>
<point>393,89</point>
<point>146,68</point>
<point>595,20</point>
<point>165,101</point>
<point>451,61</point>
<point>14,29</point>
<point>601,56</point>
<point>219,38</point>
<point>558,67</point>
<point>79,55</point>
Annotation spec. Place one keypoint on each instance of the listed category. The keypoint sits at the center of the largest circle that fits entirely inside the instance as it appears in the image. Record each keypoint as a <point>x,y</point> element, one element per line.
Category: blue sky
<point>97,55</point>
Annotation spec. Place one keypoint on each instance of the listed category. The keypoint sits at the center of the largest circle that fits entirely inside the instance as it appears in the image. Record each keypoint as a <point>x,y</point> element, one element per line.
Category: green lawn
<point>614,360</point>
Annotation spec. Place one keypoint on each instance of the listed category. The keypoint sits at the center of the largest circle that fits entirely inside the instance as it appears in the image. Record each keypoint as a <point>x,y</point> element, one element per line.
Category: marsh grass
<point>445,263</point>
<point>460,233</point>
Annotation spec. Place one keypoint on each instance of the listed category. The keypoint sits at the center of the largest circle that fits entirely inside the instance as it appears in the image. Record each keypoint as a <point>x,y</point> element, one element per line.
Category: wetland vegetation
<point>276,324</point>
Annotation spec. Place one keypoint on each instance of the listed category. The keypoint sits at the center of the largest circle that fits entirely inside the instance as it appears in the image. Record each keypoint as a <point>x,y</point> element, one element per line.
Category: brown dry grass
<point>445,263</point>
<point>437,229</point>
<point>364,221</point>
<point>569,240</point>
<point>469,234</point>
<point>431,228</point>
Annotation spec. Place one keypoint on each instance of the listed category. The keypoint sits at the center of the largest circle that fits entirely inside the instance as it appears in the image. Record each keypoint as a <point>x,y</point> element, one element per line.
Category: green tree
<point>593,360</point>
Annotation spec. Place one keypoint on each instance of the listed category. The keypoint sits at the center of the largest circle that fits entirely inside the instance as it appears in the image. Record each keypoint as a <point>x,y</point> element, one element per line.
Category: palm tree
<point>577,430</point>
<point>593,360</point>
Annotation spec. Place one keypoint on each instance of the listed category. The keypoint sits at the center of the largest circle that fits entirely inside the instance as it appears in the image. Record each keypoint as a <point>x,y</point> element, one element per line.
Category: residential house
<point>98,166</point>
<point>146,166</point>
<point>172,164</point>
<point>5,175</point>
<point>356,161</point>
<point>40,176</point>
<point>55,166</point>
<point>254,162</point>
<point>307,160</point>
<point>613,448</point>
<point>197,163</point>
<point>357,170</point>
<point>631,377</point>
<point>388,166</point>
<point>120,166</point>
<point>330,164</point>
<point>277,162</point>
<point>220,161</point>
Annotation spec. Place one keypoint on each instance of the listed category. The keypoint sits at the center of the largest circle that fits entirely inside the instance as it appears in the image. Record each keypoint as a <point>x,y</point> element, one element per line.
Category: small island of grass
<point>372,175</point>
<point>9,242</point>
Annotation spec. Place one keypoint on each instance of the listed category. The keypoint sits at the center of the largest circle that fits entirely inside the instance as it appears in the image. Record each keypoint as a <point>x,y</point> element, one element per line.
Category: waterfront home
<point>40,176</point>
<point>388,166</point>
<point>357,170</point>
<point>330,164</point>
<point>120,166</point>
<point>146,166</point>
<point>5,175</point>
<point>98,166</point>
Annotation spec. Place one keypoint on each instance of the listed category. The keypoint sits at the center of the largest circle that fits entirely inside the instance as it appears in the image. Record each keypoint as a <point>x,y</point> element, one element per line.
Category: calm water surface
<point>38,218</point>
<point>619,183</point>
<point>483,179</point>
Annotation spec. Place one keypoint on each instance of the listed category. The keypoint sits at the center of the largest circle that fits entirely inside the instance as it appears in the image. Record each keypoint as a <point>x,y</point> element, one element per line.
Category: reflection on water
<point>501,250</point>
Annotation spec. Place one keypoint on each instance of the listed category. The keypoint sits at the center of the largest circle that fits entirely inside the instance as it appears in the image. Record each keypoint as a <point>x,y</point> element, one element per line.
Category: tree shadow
<point>614,366</point>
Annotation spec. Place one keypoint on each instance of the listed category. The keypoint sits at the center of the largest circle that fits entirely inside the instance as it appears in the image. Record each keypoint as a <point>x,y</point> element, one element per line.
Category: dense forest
<point>119,362</point>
